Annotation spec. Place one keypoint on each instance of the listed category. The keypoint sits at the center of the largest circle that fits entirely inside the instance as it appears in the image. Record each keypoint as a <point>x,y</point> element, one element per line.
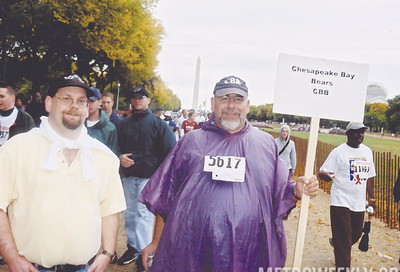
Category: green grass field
<point>375,143</point>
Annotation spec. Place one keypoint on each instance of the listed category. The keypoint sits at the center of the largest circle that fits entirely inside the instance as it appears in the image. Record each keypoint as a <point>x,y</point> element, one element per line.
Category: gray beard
<point>231,125</point>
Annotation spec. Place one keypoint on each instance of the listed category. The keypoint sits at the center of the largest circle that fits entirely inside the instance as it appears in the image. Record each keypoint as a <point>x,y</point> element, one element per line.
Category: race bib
<point>226,168</point>
<point>5,123</point>
<point>4,133</point>
<point>359,170</point>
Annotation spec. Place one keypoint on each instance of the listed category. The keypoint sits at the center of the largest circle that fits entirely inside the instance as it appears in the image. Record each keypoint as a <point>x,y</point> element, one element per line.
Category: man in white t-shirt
<point>183,117</point>
<point>12,120</point>
<point>351,167</point>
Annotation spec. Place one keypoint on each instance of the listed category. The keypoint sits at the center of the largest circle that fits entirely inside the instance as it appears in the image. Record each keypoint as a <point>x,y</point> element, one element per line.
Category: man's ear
<point>212,103</point>
<point>48,103</point>
<point>248,107</point>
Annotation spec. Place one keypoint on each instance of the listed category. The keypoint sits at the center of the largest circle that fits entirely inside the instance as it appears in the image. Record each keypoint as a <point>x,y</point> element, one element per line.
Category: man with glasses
<point>220,195</point>
<point>144,141</point>
<point>61,193</point>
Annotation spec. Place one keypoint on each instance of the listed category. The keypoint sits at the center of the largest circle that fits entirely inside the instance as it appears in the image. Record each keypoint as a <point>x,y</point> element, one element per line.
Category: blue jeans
<point>139,221</point>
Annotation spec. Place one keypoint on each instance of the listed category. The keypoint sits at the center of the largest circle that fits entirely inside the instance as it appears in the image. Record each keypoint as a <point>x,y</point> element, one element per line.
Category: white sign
<point>320,88</point>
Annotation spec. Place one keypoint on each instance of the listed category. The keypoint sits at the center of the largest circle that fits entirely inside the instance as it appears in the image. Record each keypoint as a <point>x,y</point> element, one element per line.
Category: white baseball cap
<point>355,125</point>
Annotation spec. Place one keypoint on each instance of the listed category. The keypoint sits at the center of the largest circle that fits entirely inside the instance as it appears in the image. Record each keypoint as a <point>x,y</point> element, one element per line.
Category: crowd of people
<point>198,193</point>
<point>182,123</point>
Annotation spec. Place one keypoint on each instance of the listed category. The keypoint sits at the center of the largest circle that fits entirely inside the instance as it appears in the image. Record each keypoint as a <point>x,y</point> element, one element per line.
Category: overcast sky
<point>245,38</point>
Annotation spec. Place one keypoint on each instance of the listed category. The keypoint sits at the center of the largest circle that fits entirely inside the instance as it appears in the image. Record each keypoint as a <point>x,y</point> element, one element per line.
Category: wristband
<point>372,199</point>
<point>296,196</point>
<point>108,254</point>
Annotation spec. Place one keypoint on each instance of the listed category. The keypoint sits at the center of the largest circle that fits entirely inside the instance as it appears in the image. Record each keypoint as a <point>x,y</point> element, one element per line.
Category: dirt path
<point>383,253</point>
<point>384,246</point>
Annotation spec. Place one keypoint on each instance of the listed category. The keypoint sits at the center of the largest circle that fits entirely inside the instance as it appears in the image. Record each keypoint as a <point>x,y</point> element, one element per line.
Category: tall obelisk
<point>195,102</point>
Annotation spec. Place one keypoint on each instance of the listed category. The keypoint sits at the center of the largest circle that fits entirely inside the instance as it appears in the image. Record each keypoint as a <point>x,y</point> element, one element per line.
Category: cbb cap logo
<point>233,80</point>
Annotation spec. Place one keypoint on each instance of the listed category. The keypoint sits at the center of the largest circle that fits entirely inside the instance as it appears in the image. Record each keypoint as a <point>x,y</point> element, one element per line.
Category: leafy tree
<point>262,113</point>
<point>162,96</point>
<point>122,30</point>
<point>374,116</point>
<point>270,114</point>
<point>24,55</point>
<point>174,103</point>
<point>252,112</point>
<point>379,108</point>
<point>102,41</point>
<point>393,114</point>
<point>371,120</point>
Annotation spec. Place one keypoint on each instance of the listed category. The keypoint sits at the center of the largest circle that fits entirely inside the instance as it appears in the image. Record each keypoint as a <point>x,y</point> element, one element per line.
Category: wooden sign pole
<point>305,200</point>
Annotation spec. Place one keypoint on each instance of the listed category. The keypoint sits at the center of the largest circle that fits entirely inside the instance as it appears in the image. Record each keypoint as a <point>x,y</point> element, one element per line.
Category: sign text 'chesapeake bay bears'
<point>319,83</point>
<point>321,88</point>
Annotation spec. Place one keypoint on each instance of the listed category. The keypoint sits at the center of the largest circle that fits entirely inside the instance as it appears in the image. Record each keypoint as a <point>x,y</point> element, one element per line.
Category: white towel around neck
<point>84,143</point>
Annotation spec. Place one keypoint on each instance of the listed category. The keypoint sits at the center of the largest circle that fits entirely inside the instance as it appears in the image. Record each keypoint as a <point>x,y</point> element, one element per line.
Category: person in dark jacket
<point>99,125</point>
<point>36,107</point>
<point>12,120</point>
<point>144,141</point>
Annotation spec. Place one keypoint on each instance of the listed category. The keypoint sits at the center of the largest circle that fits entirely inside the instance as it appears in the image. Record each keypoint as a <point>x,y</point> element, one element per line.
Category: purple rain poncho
<point>213,225</point>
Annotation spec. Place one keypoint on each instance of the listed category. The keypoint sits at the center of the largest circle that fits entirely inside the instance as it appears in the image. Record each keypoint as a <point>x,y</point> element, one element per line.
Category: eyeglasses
<point>68,101</point>
<point>235,99</point>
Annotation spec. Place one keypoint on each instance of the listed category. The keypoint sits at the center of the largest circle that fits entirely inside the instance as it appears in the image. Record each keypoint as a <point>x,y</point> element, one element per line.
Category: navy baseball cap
<point>140,91</point>
<point>96,94</point>
<point>229,85</point>
<point>71,80</point>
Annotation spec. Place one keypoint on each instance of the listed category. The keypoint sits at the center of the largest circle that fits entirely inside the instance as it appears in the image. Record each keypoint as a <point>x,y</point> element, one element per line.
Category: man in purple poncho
<point>222,192</point>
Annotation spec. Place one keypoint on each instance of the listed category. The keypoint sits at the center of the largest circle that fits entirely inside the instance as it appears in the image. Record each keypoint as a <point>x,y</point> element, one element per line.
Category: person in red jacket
<point>190,124</point>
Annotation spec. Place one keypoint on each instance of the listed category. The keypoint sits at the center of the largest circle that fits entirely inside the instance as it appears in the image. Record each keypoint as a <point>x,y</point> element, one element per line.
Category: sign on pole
<point>318,88</point>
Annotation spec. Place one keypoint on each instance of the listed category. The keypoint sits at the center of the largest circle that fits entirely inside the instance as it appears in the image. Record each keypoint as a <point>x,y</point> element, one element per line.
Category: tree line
<point>112,45</point>
<point>376,116</point>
